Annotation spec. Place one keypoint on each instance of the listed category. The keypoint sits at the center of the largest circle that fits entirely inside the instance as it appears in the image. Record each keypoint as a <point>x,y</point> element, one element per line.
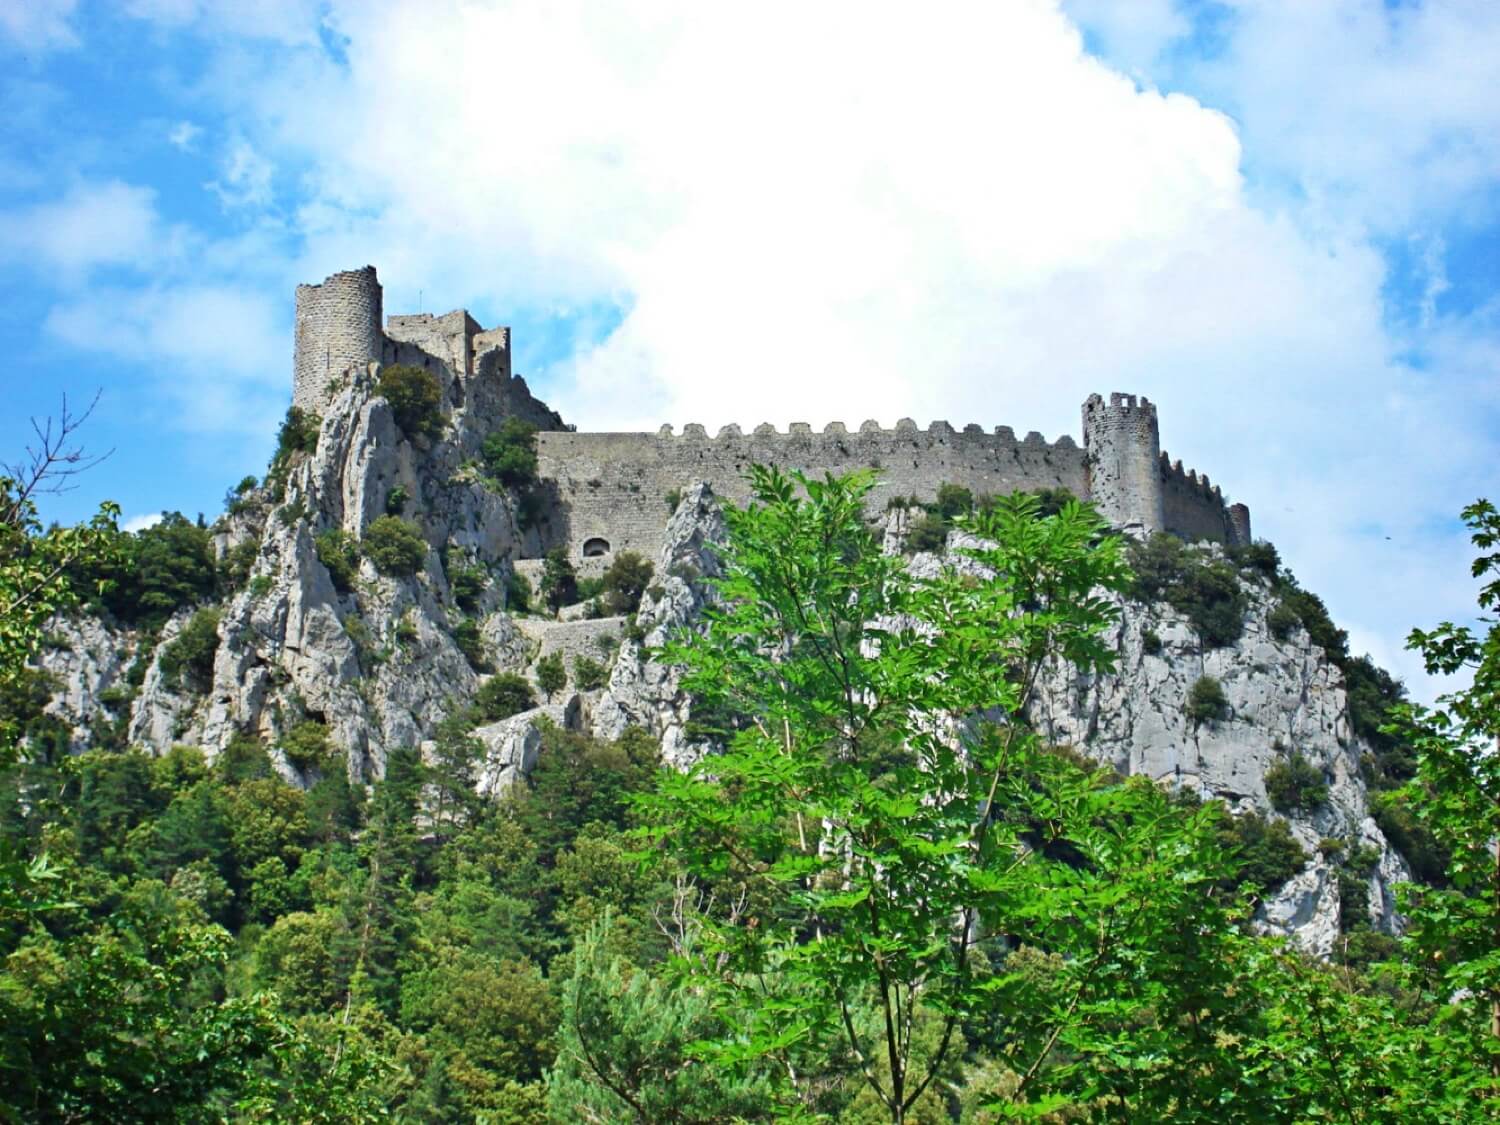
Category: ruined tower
<point>337,326</point>
<point>1122,448</point>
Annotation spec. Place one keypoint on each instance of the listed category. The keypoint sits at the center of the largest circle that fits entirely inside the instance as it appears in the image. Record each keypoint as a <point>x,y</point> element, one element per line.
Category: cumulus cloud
<point>184,135</point>
<point>141,523</point>
<point>38,25</point>
<point>244,177</point>
<point>216,351</point>
<point>107,223</point>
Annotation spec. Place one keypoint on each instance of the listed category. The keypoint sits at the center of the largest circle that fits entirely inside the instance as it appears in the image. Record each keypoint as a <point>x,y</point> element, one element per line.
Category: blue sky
<point>1277,218</point>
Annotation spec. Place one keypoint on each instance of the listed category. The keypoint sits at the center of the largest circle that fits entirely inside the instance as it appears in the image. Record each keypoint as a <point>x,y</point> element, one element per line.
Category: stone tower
<point>338,326</point>
<point>1122,448</point>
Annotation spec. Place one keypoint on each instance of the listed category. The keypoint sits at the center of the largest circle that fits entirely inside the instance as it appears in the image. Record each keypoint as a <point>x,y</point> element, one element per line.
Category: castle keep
<point>608,491</point>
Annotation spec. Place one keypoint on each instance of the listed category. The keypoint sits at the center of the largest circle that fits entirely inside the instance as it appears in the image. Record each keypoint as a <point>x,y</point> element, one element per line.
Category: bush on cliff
<point>394,546</point>
<point>339,553</point>
<point>502,696</point>
<point>510,454</point>
<point>1294,784</point>
<point>415,397</point>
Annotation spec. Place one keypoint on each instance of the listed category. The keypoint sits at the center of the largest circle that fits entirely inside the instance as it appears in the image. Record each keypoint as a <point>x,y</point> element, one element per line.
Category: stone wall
<point>1195,509</point>
<point>614,487</point>
<point>337,327</point>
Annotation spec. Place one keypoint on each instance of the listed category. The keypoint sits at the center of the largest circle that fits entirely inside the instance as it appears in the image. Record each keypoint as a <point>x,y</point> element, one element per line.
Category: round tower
<point>1239,525</point>
<point>1122,448</point>
<point>338,326</point>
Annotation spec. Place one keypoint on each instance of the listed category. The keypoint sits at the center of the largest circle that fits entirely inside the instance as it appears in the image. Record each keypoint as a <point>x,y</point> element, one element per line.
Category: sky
<point>1279,219</point>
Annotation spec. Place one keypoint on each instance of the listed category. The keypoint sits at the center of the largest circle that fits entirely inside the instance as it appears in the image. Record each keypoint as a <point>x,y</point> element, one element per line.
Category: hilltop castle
<point>608,488</point>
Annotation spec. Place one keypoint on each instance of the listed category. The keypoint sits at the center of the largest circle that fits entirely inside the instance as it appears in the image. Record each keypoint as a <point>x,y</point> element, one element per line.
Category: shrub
<point>339,554</point>
<point>234,567</point>
<point>929,533</point>
<point>502,696</point>
<point>415,398</point>
<point>1260,558</point>
<point>952,500</point>
<point>306,746</point>
<point>468,584</point>
<point>1295,783</point>
<point>625,581</point>
<point>394,546</point>
<point>188,659</point>
<point>1206,701</point>
<point>551,676</point>
<point>673,498</point>
<point>1151,643</point>
<point>1269,854</point>
<point>365,651</point>
<point>588,675</point>
<point>466,637</point>
<point>235,500</point>
<point>1282,620</point>
<point>510,454</point>
<point>261,585</point>
<point>1204,590</point>
<point>406,631</point>
<point>559,579</point>
<point>518,593</point>
<point>395,501</point>
<point>298,434</point>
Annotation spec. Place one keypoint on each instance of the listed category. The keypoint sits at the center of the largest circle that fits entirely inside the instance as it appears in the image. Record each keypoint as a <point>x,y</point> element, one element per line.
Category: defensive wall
<point>607,492</point>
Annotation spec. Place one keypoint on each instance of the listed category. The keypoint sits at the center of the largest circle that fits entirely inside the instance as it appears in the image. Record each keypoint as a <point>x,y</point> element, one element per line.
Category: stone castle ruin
<point>608,491</point>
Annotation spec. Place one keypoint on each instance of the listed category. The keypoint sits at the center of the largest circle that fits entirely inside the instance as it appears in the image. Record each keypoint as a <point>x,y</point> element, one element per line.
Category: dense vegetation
<point>768,935</point>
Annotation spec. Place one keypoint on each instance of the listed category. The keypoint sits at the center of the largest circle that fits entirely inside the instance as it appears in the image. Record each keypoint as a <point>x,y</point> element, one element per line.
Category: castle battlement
<point>607,491</point>
<point>904,430</point>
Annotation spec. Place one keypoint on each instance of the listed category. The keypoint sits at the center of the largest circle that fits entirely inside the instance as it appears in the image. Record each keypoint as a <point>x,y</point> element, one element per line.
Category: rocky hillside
<point>377,587</point>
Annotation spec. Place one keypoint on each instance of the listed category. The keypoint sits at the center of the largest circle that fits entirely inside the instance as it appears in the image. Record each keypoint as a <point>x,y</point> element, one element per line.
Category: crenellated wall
<point>1195,508</point>
<point>614,486</point>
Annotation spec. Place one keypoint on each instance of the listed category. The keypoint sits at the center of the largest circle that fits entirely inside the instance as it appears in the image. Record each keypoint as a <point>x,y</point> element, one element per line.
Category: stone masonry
<point>607,492</point>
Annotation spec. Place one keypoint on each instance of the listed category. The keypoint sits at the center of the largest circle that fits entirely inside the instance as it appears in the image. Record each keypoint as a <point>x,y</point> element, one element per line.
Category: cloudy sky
<point>1280,219</point>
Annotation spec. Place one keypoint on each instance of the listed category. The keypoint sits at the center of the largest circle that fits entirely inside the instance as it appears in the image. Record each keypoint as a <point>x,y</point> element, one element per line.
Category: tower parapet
<point>1122,446</point>
<point>337,327</point>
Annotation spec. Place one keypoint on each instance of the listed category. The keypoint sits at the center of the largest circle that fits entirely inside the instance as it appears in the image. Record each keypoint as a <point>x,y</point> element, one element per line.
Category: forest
<point>882,897</point>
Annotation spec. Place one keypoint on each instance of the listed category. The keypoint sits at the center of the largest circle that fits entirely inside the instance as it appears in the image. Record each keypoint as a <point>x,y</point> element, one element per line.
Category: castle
<point>608,490</point>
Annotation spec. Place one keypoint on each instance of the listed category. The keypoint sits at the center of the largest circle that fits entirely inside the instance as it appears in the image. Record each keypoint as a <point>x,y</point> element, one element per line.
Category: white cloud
<point>92,225</point>
<point>217,351</point>
<point>244,177</point>
<point>141,523</point>
<point>184,135</point>
<point>38,25</point>
<point>1375,112</point>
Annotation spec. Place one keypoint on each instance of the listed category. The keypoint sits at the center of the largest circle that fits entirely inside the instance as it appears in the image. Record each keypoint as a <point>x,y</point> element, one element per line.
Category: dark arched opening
<point>595,547</point>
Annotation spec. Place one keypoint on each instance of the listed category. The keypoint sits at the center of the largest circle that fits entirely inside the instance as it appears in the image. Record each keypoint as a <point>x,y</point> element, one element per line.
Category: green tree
<point>415,397</point>
<point>625,1045</point>
<point>510,455</point>
<point>338,551</point>
<point>551,675</point>
<point>1294,784</point>
<point>503,695</point>
<point>625,580</point>
<point>395,546</point>
<point>872,838</point>
<point>559,579</point>
<point>1455,929</point>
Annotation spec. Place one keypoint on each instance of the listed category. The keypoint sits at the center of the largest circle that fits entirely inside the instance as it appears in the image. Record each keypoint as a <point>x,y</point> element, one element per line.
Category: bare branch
<point>50,464</point>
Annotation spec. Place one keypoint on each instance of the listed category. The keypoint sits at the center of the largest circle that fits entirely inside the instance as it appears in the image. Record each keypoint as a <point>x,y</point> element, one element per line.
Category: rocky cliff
<point>379,660</point>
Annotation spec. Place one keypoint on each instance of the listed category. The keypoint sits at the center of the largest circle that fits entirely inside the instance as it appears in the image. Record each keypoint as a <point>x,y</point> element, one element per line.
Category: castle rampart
<point>609,491</point>
<point>613,486</point>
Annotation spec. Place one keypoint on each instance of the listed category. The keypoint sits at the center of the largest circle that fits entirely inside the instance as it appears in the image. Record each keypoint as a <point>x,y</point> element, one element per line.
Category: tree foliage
<point>416,399</point>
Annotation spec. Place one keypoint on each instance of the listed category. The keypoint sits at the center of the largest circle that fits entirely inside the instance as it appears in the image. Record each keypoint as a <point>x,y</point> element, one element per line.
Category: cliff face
<point>384,661</point>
